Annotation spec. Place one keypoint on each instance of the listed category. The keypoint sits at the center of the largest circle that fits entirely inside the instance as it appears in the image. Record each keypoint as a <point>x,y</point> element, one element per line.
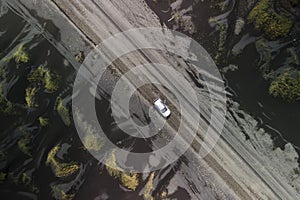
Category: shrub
<point>271,23</point>
<point>44,76</point>
<point>20,55</point>
<point>30,97</point>
<point>286,86</point>
<point>43,121</point>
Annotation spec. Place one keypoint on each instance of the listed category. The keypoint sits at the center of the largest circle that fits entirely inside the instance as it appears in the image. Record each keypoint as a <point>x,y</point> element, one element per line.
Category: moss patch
<point>286,87</point>
<point>271,23</point>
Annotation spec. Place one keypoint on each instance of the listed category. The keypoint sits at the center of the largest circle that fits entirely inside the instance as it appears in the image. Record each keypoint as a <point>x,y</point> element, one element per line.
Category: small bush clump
<point>30,97</point>
<point>286,87</point>
<point>271,23</point>
<point>43,76</point>
<point>20,55</point>
<point>43,121</point>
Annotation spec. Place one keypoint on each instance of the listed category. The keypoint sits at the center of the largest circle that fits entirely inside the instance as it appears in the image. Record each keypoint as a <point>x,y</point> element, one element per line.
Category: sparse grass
<point>63,112</point>
<point>58,193</point>
<point>294,2</point>
<point>19,179</point>
<point>2,177</point>
<point>91,142</point>
<point>222,39</point>
<point>294,55</point>
<point>3,156</point>
<point>6,107</point>
<point>24,145</point>
<point>149,188</point>
<point>26,179</point>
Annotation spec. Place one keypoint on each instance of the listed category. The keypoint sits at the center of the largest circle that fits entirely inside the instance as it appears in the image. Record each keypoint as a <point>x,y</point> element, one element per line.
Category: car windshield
<point>164,110</point>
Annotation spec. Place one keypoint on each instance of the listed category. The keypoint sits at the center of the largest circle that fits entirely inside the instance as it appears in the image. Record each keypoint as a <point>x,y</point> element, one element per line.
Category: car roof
<point>159,104</point>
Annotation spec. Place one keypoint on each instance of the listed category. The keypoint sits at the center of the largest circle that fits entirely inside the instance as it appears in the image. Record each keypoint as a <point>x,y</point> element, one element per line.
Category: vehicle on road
<point>160,106</point>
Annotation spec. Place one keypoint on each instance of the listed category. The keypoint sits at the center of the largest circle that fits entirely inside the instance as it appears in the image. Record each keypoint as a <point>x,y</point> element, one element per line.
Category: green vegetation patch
<point>80,57</point>
<point>27,180</point>
<point>6,107</point>
<point>286,87</point>
<point>63,112</point>
<point>43,121</point>
<point>20,55</point>
<point>222,38</point>
<point>3,156</point>
<point>92,142</point>
<point>2,177</point>
<point>43,76</point>
<point>294,2</point>
<point>19,179</point>
<point>24,145</point>
<point>61,169</point>
<point>294,56</point>
<point>149,188</point>
<point>128,180</point>
<point>30,97</point>
<point>271,23</point>
<point>58,193</point>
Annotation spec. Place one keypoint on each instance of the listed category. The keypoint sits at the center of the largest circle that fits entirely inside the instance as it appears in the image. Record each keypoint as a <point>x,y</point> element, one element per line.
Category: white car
<point>161,108</point>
